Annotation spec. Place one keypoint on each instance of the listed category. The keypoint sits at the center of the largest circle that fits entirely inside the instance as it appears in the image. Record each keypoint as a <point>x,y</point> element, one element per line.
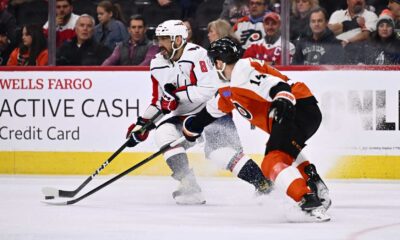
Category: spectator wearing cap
<point>383,46</point>
<point>269,48</point>
<point>82,50</point>
<point>65,22</point>
<point>9,21</point>
<point>250,29</point>
<point>394,7</point>
<point>138,50</point>
<point>5,45</point>
<point>320,46</point>
<point>33,49</point>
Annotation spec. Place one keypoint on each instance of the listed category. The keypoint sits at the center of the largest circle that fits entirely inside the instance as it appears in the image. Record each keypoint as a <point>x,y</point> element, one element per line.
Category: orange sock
<point>277,165</point>
<point>297,189</point>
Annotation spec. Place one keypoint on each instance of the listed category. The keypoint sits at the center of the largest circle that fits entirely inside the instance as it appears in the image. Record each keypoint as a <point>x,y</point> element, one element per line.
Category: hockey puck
<point>49,197</point>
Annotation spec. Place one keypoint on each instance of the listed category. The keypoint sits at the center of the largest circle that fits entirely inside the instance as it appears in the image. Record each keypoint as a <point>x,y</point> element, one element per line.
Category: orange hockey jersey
<point>249,92</point>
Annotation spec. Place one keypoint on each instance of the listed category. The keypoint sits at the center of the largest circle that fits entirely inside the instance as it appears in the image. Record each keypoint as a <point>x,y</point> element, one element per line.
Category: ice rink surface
<point>142,208</point>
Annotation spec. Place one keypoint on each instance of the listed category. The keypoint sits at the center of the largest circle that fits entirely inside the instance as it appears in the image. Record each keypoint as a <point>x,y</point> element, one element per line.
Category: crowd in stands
<point>121,32</point>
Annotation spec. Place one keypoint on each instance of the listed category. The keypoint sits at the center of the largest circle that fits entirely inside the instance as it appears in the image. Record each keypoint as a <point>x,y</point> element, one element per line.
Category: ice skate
<point>189,192</point>
<point>318,186</point>
<point>313,209</point>
<point>264,187</point>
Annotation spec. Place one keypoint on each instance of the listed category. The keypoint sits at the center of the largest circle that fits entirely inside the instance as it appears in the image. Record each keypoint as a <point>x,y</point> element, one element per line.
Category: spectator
<point>321,46</point>
<point>250,29</point>
<point>5,45</point>
<point>353,24</point>
<point>65,22</point>
<point>383,47</point>
<point>82,50</point>
<point>111,29</point>
<point>218,29</point>
<point>269,48</point>
<point>32,50</point>
<point>9,21</point>
<point>138,50</point>
<point>394,6</point>
<point>299,21</point>
<point>233,10</point>
<point>193,31</point>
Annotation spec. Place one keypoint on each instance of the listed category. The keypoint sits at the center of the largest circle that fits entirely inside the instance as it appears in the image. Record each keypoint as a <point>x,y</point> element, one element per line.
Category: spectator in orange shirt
<point>33,49</point>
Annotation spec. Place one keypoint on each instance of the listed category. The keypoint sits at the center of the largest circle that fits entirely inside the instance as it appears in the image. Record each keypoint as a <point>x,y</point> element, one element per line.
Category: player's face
<point>318,24</point>
<point>271,27</point>
<point>385,30</point>
<point>165,44</point>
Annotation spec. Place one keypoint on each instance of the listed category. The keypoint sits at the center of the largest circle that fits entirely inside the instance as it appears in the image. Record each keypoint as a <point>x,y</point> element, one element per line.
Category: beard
<point>358,8</point>
<point>67,16</point>
<point>166,54</point>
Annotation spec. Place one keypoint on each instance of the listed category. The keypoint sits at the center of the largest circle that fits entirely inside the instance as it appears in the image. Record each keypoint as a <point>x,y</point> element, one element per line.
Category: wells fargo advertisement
<point>68,122</point>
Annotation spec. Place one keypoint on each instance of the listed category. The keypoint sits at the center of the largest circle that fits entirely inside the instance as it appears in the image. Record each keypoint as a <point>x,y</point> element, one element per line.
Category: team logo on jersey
<point>242,111</point>
<point>251,35</point>
<point>255,37</point>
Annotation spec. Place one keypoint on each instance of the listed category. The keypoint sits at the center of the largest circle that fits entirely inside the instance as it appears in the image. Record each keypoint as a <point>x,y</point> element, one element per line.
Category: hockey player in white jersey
<point>183,81</point>
<point>288,112</point>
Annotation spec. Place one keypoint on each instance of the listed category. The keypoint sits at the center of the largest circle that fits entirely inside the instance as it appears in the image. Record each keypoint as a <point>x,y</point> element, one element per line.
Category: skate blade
<point>192,199</point>
<point>299,216</point>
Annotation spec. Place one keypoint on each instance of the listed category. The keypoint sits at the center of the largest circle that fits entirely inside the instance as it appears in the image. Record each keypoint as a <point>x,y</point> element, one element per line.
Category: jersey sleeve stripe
<point>156,94</point>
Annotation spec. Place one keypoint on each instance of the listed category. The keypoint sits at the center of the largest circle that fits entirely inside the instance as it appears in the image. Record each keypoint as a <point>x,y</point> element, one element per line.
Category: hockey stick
<point>51,193</point>
<point>154,155</point>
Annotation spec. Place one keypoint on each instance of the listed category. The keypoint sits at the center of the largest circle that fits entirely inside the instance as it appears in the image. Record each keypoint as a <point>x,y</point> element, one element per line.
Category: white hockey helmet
<point>172,28</point>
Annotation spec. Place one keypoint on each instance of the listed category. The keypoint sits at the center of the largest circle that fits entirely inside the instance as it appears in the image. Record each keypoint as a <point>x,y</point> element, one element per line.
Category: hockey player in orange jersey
<point>287,111</point>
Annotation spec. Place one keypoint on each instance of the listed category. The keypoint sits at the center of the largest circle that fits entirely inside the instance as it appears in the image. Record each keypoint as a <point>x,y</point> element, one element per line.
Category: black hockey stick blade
<point>154,155</point>
<point>51,193</point>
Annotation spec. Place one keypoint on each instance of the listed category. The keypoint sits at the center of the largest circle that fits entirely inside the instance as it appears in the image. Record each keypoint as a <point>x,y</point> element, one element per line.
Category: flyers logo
<point>243,111</point>
<point>251,34</point>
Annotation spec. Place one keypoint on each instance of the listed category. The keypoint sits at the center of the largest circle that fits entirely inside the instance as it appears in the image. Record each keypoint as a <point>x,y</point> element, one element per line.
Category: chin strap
<point>175,49</point>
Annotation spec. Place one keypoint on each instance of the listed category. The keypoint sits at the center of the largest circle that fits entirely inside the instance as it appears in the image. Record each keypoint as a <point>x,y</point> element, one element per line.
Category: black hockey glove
<point>350,25</point>
<point>282,107</point>
<point>190,129</point>
<point>138,132</point>
<point>169,101</point>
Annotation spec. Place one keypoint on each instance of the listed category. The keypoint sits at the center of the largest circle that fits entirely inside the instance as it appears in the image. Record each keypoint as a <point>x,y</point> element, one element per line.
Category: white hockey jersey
<point>193,74</point>
<point>248,32</point>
